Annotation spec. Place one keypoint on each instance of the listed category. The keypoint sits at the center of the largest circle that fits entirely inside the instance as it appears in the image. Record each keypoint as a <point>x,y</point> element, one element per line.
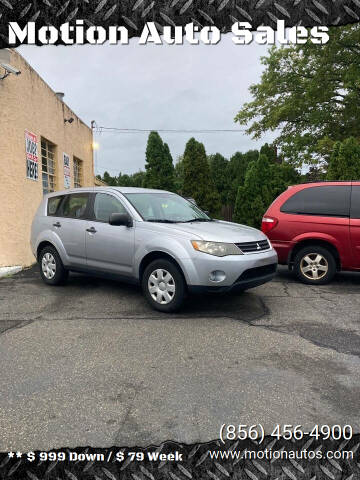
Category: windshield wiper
<point>198,220</point>
<point>160,220</point>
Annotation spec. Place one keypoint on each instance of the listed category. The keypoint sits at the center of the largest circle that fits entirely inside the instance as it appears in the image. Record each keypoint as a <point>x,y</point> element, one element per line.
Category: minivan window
<point>355,201</point>
<point>325,201</point>
<point>105,205</point>
<point>165,207</point>
<point>53,205</point>
<point>74,206</point>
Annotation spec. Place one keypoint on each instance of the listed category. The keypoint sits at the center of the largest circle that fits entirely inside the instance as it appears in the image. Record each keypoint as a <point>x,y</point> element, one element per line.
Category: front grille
<point>253,247</point>
<point>257,272</point>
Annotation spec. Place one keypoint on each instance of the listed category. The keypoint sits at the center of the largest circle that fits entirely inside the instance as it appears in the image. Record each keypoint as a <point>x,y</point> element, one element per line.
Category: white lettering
<point>48,35</point>
<point>150,34</point>
<point>242,33</point>
<point>319,35</point>
<point>15,33</point>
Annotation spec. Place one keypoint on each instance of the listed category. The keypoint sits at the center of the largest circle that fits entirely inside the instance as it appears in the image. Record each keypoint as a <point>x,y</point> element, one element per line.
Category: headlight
<point>216,248</point>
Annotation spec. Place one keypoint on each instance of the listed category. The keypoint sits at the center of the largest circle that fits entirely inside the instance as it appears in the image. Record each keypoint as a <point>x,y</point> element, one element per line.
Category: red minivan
<point>315,229</point>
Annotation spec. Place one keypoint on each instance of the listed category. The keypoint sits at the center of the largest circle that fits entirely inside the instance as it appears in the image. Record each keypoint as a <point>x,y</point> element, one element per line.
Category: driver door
<point>109,248</point>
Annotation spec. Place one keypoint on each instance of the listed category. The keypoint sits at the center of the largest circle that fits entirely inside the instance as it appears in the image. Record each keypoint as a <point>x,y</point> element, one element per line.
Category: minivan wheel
<point>51,267</point>
<point>314,265</point>
<point>163,286</point>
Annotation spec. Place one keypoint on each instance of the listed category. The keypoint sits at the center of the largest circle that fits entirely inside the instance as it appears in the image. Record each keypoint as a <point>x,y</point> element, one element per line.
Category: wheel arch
<point>42,245</point>
<point>155,255</point>
<point>315,241</point>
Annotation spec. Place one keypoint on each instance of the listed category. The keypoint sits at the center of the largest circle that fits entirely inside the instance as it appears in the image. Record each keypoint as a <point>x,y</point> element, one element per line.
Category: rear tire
<point>52,270</point>
<point>164,286</point>
<point>314,265</point>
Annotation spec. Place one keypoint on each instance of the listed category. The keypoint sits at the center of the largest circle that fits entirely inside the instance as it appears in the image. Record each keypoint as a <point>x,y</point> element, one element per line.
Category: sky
<point>154,87</point>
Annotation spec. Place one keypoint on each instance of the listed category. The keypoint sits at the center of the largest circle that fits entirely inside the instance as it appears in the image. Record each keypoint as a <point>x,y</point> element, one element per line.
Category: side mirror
<point>120,219</point>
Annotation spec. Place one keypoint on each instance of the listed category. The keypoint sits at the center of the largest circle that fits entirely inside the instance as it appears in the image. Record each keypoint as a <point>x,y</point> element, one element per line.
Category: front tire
<point>315,265</point>
<point>164,286</point>
<point>52,270</point>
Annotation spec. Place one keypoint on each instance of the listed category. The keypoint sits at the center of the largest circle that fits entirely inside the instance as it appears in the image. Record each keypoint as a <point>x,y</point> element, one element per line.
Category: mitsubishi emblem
<point>258,247</point>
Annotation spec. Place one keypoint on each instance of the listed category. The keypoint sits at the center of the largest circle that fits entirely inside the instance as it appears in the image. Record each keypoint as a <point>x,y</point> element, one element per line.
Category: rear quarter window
<point>53,205</point>
<point>325,201</point>
<point>355,201</point>
<point>74,205</point>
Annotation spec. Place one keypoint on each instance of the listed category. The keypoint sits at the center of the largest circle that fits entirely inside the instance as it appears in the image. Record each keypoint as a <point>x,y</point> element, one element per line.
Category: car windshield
<point>166,208</point>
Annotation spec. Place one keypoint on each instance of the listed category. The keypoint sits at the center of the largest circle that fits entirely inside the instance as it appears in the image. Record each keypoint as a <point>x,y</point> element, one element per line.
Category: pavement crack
<point>286,289</point>
<point>14,325</point>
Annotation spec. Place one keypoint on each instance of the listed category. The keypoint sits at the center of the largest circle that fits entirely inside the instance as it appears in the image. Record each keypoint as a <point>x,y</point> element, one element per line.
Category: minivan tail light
<point>268,223</point>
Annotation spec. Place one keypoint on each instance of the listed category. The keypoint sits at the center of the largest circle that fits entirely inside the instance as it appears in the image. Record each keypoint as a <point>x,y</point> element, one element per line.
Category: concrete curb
<point>5,271</point>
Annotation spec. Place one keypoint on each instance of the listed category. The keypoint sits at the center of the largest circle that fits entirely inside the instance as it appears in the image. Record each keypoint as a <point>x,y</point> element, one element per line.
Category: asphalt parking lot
<point>90,363</point>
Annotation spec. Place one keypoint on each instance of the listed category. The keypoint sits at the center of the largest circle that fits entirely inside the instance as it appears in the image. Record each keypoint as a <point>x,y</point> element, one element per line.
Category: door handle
<point>91,230</point>
<point>57,224</point>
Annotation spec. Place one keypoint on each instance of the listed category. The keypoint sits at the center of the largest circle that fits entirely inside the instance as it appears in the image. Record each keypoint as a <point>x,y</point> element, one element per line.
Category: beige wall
<point>28,103</point>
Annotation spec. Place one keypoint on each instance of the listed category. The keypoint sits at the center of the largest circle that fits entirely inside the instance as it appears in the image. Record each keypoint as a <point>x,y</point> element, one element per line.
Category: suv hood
<point>219,231</point>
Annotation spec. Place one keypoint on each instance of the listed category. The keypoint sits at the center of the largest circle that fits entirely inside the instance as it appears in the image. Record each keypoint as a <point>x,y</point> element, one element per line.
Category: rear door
<point>109,248</point>
<point>70,226</point>
<point>355,225</point>
<point>321,212</point>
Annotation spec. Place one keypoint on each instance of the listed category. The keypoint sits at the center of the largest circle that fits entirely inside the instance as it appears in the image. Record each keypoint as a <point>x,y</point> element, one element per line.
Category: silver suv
<point>155,238</point>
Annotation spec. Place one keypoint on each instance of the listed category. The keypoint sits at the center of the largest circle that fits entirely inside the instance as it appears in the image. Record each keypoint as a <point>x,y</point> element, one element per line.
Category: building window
<point>78,173</point>
<point>48,163</point>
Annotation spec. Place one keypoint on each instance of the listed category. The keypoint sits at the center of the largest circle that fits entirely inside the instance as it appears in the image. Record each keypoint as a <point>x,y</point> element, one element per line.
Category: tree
<point>179,174</point>
<point>124,180</point>
<point>254,196</point>
<point>219,174</point>
<point>159,166</point>
<point>270,151</point>
<point>344,162</point>
<point>109,180</point>
<point>236,172</point>
<point>314,174</point>
<point>138,179</point>
<point>282,175</point>
<point>308,92</point>
<point>264,181</point>
<point>168,170</point>
<point>198,183</point>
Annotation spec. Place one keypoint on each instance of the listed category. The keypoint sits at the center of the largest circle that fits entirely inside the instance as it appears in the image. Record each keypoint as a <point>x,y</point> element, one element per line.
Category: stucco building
<point>44,146</point>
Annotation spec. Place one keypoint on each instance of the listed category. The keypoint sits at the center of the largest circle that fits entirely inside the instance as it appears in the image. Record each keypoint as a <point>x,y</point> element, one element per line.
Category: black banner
<point>308,458</point>
<point>134,14</point>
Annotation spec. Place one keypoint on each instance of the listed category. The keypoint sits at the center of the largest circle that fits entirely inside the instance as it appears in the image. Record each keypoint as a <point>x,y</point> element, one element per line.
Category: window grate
<point>48,164</point>
<point>78,173</point>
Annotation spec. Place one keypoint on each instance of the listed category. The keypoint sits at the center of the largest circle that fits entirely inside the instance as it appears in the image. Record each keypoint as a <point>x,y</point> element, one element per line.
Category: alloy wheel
<point>314,266</point>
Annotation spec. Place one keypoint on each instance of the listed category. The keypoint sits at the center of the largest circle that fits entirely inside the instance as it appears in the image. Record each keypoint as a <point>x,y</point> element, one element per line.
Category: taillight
<point>268,223</point>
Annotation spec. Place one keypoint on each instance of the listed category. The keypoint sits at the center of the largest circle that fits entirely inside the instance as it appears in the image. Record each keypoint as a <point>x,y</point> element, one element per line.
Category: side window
<point>327,201</point>
<point>355,202</point>
<point>105,205</point>
<point>53,205</point>
<point>75,205</point>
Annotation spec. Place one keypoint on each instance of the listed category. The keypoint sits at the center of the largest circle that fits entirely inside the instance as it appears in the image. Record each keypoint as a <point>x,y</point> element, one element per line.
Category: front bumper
<point>251,278</point>
<point>198,269</point>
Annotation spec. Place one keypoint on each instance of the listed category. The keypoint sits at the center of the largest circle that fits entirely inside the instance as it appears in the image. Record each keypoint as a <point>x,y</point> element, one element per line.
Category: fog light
<point>217,276</point>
